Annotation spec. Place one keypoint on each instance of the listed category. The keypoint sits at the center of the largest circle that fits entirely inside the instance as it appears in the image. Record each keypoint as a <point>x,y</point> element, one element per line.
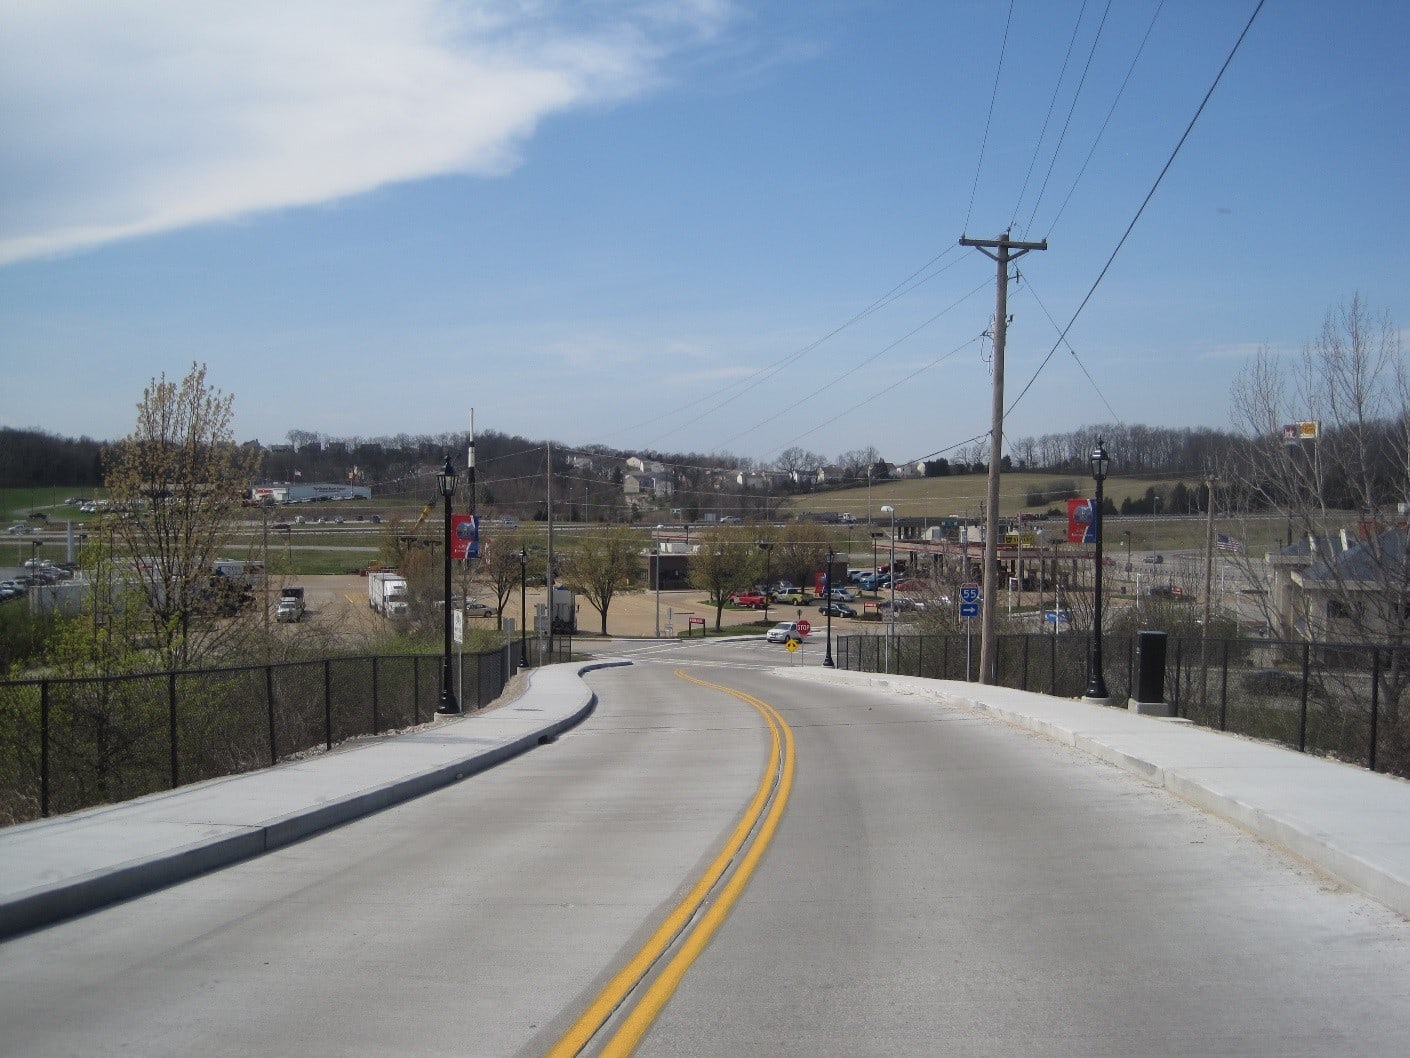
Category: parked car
<point>288,611</point>
<point>749,598</point>
<point>783,632</point>
<point>475,608</point>
<point>791,597</point>
<point>841,595</point>
<point>1153,560</point>
<point>837,609</point>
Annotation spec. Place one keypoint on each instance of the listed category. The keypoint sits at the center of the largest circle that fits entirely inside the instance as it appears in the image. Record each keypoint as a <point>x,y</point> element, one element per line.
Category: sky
<point>710,226</point>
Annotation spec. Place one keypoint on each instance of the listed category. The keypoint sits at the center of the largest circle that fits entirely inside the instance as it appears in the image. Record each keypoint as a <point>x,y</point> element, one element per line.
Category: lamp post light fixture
<point>767,547</point>
<point>445,485</point>
<point>1096,683</point>
<point>523,608</point>
<point>828,663</point>
<point>891,577</point>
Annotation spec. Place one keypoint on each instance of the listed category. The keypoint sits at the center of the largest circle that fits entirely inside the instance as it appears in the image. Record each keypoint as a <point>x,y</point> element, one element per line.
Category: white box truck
<point>387,594</point>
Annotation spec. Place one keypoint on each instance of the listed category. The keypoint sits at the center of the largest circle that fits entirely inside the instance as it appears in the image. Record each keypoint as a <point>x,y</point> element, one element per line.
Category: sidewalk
<point>53,869</point>
<point>1351,823</point>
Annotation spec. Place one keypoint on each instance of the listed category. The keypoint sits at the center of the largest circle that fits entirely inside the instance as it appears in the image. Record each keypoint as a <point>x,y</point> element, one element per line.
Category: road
<point>938,883</point>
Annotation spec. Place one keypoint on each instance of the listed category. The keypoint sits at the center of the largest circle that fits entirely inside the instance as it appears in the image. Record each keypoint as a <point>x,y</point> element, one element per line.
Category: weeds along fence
<point>67,744</point>
<point>1350,702</point>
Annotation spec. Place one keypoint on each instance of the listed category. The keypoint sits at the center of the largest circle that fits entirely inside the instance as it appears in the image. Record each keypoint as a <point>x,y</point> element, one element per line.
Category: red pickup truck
<point>748,598</point>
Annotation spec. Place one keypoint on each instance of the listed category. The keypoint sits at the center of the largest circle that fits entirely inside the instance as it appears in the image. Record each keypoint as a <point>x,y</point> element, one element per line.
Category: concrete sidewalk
<point>1349,822</point>
<point>56,868</point>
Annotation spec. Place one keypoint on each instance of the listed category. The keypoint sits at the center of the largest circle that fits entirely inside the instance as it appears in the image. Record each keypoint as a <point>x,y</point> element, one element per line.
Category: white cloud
<point>126,117</point>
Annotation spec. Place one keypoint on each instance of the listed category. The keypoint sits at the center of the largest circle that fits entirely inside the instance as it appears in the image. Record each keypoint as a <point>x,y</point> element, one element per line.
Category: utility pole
<point>1002,250</point>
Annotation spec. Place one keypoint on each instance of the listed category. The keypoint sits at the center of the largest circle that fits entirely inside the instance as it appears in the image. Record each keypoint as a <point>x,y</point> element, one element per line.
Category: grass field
<point>965,493</point>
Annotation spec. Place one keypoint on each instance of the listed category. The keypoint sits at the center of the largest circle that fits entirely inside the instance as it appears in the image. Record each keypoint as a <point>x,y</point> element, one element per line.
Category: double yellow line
<point>686,927</point>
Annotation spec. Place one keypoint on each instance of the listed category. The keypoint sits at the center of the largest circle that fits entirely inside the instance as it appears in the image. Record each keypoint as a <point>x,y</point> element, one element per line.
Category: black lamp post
<point>445,484</point>
<point>766,547</point>
<point>1096,683</point>
<point>828,663</point>
<point>523,607</point>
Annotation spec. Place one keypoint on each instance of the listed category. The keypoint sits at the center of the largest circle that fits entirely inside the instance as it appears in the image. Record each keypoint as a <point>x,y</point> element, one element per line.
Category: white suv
<point>783,632</point>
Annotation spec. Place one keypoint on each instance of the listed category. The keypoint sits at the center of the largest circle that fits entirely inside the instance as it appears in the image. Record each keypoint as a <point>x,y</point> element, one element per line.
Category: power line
<point>1107,120</point>
<point>988,121</point>
<point>1145,202</point>
<point>1062,137</point>
<point>1052,105</point>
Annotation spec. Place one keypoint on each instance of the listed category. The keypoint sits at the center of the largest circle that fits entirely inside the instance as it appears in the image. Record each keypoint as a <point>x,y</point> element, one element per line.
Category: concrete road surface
<point>939,883</point>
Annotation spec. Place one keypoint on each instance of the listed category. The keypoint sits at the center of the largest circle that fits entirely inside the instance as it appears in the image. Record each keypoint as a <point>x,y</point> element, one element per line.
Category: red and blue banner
<point>1081,528</point>
<point>464,536</point>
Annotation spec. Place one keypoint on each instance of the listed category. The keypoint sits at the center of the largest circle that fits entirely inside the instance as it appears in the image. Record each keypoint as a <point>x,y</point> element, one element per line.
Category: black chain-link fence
<point>67,744</point>
<point>1347,701</point>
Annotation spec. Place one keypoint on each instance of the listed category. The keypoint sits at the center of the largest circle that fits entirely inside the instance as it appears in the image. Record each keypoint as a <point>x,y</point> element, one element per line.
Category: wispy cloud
<point>127,117</point>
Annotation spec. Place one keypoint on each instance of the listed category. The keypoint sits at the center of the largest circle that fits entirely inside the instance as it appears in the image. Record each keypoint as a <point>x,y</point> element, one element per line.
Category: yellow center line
<point>630,976</point>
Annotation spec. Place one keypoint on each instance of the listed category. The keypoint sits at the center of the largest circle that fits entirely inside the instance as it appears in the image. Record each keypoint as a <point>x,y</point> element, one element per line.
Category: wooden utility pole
<point>1002,250</point>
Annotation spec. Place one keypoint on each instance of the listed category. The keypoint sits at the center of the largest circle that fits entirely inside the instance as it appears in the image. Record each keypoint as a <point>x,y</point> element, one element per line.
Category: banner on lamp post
<point>464,536</point>
<point>1080,517</point>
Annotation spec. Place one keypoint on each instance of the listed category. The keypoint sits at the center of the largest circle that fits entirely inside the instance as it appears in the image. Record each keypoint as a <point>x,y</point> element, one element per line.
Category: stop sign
<point>804,627</point>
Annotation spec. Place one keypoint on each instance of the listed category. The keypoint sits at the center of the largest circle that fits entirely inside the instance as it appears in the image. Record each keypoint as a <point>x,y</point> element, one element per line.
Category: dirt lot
<point>342,600</point>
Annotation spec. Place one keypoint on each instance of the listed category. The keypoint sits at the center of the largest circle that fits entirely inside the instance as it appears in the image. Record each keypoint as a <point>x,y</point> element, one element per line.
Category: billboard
<point>1080,529</point>
<point>1297,432</point>
<point>464,536</point>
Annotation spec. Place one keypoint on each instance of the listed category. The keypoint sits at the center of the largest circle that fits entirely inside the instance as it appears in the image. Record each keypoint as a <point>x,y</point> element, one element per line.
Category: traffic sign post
<point>969,608</point>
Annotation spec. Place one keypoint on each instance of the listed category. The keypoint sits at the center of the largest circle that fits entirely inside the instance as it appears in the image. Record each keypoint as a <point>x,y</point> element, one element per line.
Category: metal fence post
<point>1224,690</point>
<point>1023,683</point>
<point>171,713</point>
<point>269,705</point>
<point>1302,709</point>
<point>376,725</point>
<point>1375,700</point>
<point>327,703</point>
<point>44,748</point>
<point>416,689</point>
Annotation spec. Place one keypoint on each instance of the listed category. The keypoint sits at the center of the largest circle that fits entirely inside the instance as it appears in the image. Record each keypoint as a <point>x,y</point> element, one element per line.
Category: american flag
<point>1225,542</point>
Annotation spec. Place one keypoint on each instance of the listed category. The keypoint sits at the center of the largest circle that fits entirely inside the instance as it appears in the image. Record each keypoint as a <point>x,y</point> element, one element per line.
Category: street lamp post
<point>767,547</point>
<point>1096,683</point>
<point>891,575</point>
<point>1127,534</point>
<point>523,608</point>
<point>827,588</point>
<point>445,484</point>
<point>656,563</point>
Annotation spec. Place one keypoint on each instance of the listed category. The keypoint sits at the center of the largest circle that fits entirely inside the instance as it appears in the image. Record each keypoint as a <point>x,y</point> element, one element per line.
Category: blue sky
<point>655,224</point>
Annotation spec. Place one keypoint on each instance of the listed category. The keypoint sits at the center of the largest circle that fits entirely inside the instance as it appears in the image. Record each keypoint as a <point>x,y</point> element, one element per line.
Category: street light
<point>1127,534</point>
<point>827,588</point>
<point>523,608</point>
<point>1096,684</point>
<point>656,563</point>
<point>445,484</point>
<point>766,547</point>
<point>891,575</point>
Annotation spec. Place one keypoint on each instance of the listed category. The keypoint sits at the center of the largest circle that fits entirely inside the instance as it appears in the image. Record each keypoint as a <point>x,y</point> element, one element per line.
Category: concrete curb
<point>1352,824</point>
<point>325,793</point>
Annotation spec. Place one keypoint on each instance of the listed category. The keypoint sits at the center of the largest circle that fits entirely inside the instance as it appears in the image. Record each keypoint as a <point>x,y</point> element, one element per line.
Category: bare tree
<point>1328,447</point>
<point>727,561</point>
<point>180,476</point>
<point>604,565</point>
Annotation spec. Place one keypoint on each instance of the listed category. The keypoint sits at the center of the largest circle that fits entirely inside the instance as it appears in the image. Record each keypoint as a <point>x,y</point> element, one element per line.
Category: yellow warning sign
<point>792,645</point>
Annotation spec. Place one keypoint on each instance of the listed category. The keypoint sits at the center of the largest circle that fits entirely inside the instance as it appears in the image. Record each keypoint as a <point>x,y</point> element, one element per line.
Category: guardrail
<point>1347,701</point>
<point>71,743</point>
